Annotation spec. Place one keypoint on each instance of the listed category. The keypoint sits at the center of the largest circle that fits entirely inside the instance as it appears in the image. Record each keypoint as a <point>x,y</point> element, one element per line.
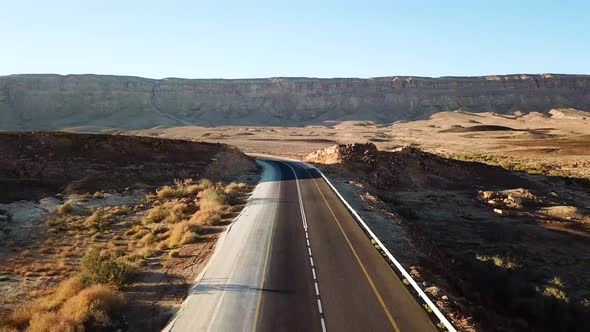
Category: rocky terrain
<point>94,103</point>
<point>40,163</point>
<point>502,250</point>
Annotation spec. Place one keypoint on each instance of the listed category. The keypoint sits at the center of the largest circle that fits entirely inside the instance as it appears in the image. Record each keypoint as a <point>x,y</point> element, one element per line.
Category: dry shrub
<point>94,303</point>
<point>148,239</point>
<point>212,198</point>
<point>121,210</point>
<point>183,188</point>
<point>146,252</point>
<point>133,230</point>
<point>192,189</point>
<point>163,245</point>
<point>96,221</point>
<point>234,188</point>
<point>47,322</point>
<point>206,184</point>
<point>64,209</point>
<point>183,233</point>
<point>64,290</point>
<point>176,213</point>
<point>140,234</point>
<point>159,229</point>
<point>21,316</point>
<point>170,213</point>
<point>206,217</point>
<point>57,221</point>
<point>212,203</point>
<point>84,309</point>
<point>156,215</point>
<point>167,192</point>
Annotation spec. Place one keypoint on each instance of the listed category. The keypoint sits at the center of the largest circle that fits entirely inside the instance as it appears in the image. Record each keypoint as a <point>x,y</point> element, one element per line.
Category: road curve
<point>296,260</point>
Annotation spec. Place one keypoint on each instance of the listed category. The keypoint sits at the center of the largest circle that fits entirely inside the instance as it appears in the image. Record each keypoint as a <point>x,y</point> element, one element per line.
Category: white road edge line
<point>400,268</point>
<point>303,219</point>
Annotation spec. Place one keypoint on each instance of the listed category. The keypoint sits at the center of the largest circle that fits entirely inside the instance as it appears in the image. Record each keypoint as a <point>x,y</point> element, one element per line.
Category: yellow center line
<point>375,291</point>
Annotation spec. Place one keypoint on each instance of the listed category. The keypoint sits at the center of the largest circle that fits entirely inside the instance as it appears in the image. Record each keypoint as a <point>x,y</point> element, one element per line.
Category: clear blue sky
<point>231,39</point>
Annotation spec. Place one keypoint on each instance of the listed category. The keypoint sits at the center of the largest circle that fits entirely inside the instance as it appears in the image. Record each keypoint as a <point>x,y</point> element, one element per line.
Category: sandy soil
<point>558,141</point>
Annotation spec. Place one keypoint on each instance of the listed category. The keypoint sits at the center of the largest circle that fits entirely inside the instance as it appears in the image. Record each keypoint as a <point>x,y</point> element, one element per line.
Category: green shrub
<point>103,269</point>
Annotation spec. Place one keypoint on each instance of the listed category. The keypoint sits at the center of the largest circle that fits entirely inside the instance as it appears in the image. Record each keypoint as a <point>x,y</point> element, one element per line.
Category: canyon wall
<point>30,102</point>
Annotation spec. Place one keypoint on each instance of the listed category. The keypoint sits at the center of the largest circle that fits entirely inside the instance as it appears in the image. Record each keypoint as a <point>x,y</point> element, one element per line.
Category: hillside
<point>96,102</point>
<point>37,164</point>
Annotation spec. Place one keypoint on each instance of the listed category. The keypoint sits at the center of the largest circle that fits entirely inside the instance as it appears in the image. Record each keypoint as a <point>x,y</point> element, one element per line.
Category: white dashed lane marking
<point>313,271</point>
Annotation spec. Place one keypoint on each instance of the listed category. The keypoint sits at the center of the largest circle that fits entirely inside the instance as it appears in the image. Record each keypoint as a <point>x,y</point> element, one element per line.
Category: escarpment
<point>52,102</point>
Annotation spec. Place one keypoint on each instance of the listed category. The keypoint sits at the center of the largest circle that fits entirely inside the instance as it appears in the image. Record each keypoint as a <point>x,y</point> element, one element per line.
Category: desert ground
<point>510,207</point>
<point>469,203</point>
<point>107,232</point>
<point>556,141</point>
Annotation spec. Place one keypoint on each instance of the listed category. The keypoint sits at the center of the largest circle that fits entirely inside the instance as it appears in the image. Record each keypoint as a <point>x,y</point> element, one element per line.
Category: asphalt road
<point>296,260</point>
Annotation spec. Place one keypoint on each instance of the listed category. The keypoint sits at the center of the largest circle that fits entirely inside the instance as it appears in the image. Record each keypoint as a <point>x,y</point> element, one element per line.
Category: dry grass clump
<point>505,263</point>
<point>183,233</point>
<point>168,192</point>
<point>156,214</point>
<point>169,212</point>
<point>120,210</point>
<point>124,243</point>
<point>147,239</point>
<point>146,252</point>
<point>212,203</point>
<point>93,303</point>
<point>97,221</point>
<point>57,221</point>
<point>234,188</point>
<point>184,188</point>
<point>64,209</point>
<point>70,308</point>
<point>555,289</point>
<point>65,290</point>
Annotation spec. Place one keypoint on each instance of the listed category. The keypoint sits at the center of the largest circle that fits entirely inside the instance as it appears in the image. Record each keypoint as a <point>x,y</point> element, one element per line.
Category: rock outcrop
<point>54,102</point>
<point>407,168</point>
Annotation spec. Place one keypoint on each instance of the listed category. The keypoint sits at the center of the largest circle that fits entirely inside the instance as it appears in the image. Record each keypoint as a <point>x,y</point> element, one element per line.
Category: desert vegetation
<point>84,262</point>
<point>499,247</point>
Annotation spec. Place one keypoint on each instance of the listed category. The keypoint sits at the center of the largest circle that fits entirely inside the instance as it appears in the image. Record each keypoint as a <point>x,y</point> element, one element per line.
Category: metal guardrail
<point>428,305</point>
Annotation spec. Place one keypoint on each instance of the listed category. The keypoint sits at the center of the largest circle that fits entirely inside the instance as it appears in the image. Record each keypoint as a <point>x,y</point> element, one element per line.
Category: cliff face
<point>54,101</point>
